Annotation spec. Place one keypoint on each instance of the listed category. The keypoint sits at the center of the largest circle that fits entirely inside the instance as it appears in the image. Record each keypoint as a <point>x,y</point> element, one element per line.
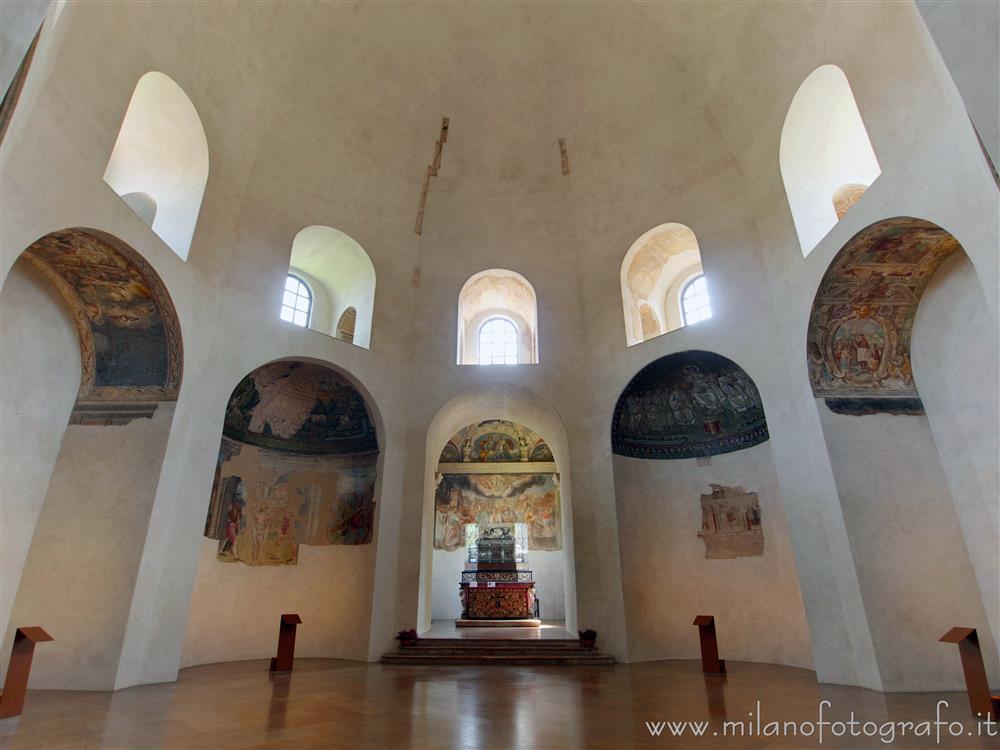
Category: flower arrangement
<point>407,637</point>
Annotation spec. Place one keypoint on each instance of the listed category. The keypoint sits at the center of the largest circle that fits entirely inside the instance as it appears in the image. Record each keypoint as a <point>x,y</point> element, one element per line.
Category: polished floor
<point>340,704</point>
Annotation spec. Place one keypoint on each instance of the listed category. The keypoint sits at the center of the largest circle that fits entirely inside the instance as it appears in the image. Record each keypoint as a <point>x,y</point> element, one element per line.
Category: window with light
<point>296,304</point>
<point>695,303</point>
<point>497,342</point>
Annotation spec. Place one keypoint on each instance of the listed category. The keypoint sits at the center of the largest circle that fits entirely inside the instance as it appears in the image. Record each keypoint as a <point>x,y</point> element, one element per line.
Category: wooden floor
<point>340,704</point>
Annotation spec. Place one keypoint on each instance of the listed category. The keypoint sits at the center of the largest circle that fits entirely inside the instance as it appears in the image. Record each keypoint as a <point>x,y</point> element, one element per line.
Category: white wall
<point>668,581</point>
<point>40,354</point>
<point>668,110</point>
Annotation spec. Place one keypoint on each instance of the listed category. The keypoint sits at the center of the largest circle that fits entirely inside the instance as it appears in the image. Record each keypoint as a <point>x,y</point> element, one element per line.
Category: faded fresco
<point>495,441</point>
<point>731,523</point>
<point>531,499</point>
<point>687,405</point>
<point>297,465</point>
<point>129,335</point>
<point>299,407</point>
<point>858,344</point>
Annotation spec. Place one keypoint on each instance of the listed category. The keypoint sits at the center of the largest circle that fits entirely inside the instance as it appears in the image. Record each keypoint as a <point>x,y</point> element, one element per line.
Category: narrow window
<point>497,342</point>
<point>296,304</point>
<point>695,302</point>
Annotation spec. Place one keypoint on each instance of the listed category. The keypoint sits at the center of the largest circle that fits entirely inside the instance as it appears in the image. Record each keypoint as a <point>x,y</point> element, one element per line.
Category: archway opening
<point>90,336</point>
<point>895,452</point>
<point>497,456</point>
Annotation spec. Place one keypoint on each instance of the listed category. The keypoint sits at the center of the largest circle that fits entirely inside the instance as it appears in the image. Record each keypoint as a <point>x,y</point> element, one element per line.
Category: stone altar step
<point>497,651</point>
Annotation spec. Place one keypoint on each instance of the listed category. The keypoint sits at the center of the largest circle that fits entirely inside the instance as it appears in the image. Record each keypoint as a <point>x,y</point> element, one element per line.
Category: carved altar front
<point>496,584</point>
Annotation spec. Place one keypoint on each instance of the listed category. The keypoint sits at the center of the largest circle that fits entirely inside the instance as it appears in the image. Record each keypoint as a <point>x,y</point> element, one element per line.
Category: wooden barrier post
<point>976,683</point>
<point>16,683</point>
<point>286,644</point>
<point>710,661</point>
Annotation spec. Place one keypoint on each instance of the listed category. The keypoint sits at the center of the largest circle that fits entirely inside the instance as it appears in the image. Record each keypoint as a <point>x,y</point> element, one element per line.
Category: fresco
<point>297,465</point>
<point>129,335</point>
<point>858,345</point>
<point>299,407</point>
<point>495,441</point>
<point>532,499</point>
<point>687,405</point>
<point>731,523</point>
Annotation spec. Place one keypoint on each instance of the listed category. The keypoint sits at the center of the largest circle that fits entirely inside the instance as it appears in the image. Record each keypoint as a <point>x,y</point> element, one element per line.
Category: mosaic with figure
<point>686,405</point>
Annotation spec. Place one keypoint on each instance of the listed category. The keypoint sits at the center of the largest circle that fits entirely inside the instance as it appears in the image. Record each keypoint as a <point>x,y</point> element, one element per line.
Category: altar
<point>497,588</point>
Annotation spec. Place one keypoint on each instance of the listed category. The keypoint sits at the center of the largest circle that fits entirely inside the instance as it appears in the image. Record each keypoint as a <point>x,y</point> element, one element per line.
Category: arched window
<point>695,303</point>
<point>486,298</point>
<point>341,278</point>
<point>497,342</point>
<point>296,304</point>
<point>826,158</point>
<point>653,273</point>
<point>159,164</point>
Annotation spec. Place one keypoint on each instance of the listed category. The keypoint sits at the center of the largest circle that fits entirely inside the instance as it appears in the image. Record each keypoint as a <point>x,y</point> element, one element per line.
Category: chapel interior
<point>499,374</point>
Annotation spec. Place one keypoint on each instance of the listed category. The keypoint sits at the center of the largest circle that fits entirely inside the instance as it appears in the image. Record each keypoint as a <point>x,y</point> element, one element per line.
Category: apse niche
<point>159,165</point>
<point>91,336</point>
<point>330,286</point>
<point>497,320</point>
<point>826,158</point>
<point>701,524</point>
<point>887,455</point>
<point>663,284</point>
<point>291,518</point>
<point>490,472</point>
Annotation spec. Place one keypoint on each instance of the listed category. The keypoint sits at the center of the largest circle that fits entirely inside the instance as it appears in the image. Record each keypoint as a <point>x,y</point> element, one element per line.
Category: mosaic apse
<point>858,344</point>
<point>686,405</point>
<point>297,465</point>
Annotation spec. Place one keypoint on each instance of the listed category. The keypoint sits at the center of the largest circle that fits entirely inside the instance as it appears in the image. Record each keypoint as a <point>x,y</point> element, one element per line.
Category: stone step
<point>496,652</point>
<point>479,642</point>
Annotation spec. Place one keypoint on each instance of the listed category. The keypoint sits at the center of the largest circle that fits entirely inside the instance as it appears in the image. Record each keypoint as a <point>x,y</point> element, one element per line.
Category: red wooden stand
<point>976,683</point>
<point>286,644</point>
<point>710,661</point>
<point>16,684</point>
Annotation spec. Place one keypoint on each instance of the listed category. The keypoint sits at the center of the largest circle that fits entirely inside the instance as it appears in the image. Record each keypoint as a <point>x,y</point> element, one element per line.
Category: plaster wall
<point>40,353</point>
<point>667,580</point>
<point>670,112</point>
<point>81,567</point>
<point>913,567</point>
<point>546,568</point>
<point>235,607</point>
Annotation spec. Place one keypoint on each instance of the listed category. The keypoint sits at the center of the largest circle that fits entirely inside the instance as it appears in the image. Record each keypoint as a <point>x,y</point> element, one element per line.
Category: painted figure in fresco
<point>233,521</point>
<point>467,451</point>
<point>681,406</point>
